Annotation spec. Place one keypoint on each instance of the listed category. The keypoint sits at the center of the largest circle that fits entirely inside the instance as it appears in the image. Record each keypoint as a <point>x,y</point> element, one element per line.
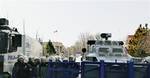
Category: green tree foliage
<point>50,48</point>
<point>136,45</point>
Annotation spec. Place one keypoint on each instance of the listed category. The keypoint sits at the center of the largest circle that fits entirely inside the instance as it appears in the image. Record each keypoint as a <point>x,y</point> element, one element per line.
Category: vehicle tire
<point>6,75</point>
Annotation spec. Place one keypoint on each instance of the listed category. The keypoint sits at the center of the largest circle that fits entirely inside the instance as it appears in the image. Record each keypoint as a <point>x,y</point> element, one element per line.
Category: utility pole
<point>24,37</point>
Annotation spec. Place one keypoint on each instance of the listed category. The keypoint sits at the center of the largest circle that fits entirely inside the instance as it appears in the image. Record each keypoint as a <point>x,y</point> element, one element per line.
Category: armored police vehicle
<point>107,50</point>
<point>13,44</point>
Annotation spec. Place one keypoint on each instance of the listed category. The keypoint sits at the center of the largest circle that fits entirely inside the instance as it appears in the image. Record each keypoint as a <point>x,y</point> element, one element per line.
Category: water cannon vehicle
<point>13,44</point>
<point>107,50</point>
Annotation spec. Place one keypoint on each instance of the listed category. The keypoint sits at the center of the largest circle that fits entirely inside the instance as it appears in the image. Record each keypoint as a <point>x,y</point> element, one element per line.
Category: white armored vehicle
<point>107,50</point>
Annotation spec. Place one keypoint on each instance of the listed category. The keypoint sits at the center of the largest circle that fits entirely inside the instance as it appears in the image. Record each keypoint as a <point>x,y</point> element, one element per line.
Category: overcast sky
<point>72,17</point>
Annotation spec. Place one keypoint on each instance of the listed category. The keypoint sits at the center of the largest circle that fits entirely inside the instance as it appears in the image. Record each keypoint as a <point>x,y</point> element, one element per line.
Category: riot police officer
<point>20,69</point>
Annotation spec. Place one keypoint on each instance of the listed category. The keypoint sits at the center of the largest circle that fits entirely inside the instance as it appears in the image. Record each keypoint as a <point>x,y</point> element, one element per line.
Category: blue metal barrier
<point>94,70</point>
<point>82,69</point>
<point>63,70</point>
<point>90,70</point>
<point>148,72</point>
<point>102,69</point>
<point>116,70</point>
<point>141,70</point>
<point>43,70</point>
<point>130,70</point>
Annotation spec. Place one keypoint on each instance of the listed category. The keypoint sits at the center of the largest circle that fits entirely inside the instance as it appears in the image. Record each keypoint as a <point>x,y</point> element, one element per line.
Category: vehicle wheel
<point>6,75</point>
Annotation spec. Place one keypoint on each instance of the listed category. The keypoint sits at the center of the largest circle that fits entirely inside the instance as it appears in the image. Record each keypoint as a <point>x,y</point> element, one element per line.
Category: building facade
<point>59,48</point>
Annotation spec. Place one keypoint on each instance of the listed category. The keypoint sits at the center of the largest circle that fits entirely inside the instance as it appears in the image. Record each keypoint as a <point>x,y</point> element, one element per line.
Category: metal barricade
<point>63,70</point>
<point>141,70</point>
<point>114,70</point>
<point>43,70</point>
<point>94,70</point>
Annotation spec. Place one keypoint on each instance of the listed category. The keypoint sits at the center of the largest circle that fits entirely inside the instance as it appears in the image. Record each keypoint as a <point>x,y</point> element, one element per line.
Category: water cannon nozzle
<point>106,35</point>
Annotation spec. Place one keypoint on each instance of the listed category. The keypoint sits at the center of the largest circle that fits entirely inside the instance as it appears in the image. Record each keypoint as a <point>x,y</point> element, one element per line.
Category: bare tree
<point>98,36</point>
<point>82,42</point>
<point>84,37</point>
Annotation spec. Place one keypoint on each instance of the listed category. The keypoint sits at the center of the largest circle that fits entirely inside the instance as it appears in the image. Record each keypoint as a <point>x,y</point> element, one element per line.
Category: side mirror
<point>106,35</point>
<point>16,40</point>
<point>83,50</point>
<point>3,42</point>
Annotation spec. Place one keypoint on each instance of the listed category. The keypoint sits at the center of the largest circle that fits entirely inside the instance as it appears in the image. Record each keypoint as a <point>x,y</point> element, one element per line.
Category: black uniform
<point>32,69</point>
<point>20,70</point>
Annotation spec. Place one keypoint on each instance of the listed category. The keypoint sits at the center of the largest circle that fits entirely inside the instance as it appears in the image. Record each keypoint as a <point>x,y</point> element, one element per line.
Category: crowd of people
<point>32,67</point>
<point>26,68</point>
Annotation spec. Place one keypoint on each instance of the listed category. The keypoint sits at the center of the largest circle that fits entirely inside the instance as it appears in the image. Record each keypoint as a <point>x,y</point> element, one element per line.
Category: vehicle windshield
<point>99,43</point>
<point>91,59</point>
<point>104,50</point>
<point>117,50</point>
<point>3,42</point>
<point>107,42</point>
<point>114,43</point>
